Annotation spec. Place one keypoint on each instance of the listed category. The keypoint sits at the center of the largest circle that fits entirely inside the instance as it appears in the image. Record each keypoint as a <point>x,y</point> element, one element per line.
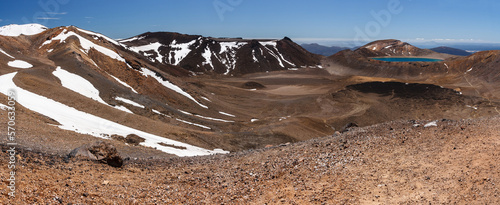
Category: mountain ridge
<point>233,56</point>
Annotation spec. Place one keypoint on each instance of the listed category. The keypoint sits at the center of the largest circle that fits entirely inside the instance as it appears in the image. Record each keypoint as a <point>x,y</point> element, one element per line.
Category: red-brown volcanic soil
<point>455,162</point>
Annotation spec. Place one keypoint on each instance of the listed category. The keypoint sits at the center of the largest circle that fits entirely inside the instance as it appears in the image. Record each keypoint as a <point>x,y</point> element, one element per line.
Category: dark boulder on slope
<point>99,151</point>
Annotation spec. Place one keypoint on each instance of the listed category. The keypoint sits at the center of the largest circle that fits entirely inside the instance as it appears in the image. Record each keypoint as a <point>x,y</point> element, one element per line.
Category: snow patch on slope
<point>184,112</point>
<point>214,119</point>
<point>207,54</point>
<point>160,113</point>
<point>179,51</point>
<point>2,51</point>
<point>19,64</point>
<point>227,114</point>
<point>26,29</point>
<point>268,43</point>
<point>77,84</point>
<point>253,56</point>
<point>130,102</point>
<point>276,55</point>
<point>80,85</point>
<point>149,47</point>
<point>85,123</point>
<point>230,46</point>
<point>227,54</point>
<point>190,123</point>
<point>123,83</point>
<point>470,69</point>
<point>279,53</point>
<point>146,72</point>
<point>123,108</point>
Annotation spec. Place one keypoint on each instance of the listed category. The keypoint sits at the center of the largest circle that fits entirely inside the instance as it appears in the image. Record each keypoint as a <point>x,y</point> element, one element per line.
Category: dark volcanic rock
<point>406,90</point>
<point>99,151</point>
<point>347,127</point>
<point>134,139</point>
<point>253,85</point>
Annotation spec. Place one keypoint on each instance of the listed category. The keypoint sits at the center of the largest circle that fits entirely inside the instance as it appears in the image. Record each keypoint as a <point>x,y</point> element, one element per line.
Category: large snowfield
<point>19,64</point>
<point>85,123</point>
<point>17,30</point>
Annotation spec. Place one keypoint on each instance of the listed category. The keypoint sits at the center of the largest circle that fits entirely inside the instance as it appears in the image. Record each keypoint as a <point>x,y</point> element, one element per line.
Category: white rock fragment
<point>431,124</point>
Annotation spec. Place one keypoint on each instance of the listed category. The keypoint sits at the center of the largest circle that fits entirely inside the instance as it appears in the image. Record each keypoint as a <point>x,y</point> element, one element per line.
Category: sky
<point>320,21</point>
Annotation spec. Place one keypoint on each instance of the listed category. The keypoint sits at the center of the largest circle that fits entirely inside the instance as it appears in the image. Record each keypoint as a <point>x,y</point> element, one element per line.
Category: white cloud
<point>445,40</point>
<point>321,39</point>
<point>47,18</point>
<point>55,13</point>
<point>346,42</point>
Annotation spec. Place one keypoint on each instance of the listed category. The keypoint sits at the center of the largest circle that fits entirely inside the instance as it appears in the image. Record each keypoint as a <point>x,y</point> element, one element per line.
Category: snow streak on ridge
<point>86,44</point>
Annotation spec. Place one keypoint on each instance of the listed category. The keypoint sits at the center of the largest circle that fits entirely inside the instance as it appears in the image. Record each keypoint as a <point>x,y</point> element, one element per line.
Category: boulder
<point>99,151</point>
<point>347,127</point>
<point>134,139</point>
<point>131,139</point>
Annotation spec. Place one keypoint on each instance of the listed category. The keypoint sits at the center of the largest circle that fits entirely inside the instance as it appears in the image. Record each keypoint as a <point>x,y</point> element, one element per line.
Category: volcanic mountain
<point>392,47</point>
<point>147,87</point>
<point>228,56</point>
<point>89,85</point>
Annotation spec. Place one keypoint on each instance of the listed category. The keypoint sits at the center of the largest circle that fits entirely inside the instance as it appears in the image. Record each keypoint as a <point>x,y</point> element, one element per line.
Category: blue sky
<point>303,21</point>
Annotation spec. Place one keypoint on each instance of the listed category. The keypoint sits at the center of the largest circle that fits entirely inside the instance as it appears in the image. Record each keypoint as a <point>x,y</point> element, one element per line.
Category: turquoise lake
<point>408,59</point>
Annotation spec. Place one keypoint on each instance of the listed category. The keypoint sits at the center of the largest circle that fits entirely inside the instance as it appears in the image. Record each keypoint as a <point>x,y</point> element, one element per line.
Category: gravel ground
<point>390,163</point>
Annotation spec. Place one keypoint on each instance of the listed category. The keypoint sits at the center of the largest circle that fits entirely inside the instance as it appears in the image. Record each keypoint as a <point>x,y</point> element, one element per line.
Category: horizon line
<point>319,40</point>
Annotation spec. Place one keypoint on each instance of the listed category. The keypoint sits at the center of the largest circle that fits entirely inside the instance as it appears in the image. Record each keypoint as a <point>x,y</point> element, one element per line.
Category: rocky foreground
<point>391,163</point>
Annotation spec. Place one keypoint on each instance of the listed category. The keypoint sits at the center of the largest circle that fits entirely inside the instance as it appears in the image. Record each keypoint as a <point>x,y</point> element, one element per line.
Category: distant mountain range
<point>323,50</point>
<point>451,51</point>
<point>330,50</point>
